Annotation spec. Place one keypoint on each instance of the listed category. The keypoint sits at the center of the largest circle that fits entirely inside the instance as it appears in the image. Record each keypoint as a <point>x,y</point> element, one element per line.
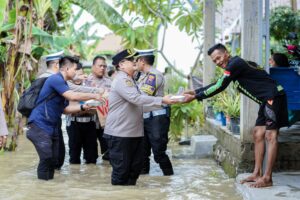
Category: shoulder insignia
<point>129,83</point>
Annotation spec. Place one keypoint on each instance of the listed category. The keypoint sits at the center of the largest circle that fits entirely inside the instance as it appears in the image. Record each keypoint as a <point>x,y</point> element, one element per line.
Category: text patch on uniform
<point>149,85</point>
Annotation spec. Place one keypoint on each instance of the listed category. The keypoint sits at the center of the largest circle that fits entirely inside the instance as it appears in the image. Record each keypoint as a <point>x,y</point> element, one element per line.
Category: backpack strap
<point>46,99</point>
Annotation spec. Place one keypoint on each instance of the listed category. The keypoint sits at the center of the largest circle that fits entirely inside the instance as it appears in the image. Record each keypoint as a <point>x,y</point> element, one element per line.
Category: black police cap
<point>127,53</point>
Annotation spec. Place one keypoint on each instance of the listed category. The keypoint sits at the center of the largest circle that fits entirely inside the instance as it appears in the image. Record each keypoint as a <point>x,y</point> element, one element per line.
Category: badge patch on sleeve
<point>129,83</point>
<point>149,85</point>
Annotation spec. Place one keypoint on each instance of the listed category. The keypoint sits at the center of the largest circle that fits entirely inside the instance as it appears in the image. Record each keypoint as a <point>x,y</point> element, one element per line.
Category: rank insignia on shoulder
<point>129,83</point>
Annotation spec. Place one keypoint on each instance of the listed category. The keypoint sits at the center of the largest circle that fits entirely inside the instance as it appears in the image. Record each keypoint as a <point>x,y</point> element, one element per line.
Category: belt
<point>84,119</point>
<point>154,113</point>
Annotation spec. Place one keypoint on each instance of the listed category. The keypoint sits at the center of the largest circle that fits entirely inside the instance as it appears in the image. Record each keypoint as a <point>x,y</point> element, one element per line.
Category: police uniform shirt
<point>125,115</point>
<point>84,89</point>
<point>47,74</point>
<point>93,81</point>
<point>152,84</point>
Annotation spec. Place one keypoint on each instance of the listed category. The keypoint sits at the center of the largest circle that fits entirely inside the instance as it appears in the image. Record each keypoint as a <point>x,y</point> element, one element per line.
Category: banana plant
<point>41,7</point>
<point>3,5</point>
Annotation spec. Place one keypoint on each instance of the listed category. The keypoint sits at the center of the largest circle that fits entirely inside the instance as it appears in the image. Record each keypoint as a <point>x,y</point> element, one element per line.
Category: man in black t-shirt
<point>261,88</point>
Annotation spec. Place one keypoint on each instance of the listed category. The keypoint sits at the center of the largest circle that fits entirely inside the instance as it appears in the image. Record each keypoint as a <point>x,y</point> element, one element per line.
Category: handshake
<point>180,97</point>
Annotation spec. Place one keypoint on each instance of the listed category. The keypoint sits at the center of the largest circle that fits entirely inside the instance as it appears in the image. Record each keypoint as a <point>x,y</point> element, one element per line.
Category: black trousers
<point>82,136</point>
<point>61,147</point>
<point>156,138</point>
<point>47,148</point>
<point>103,144</point>
<point>126,159</point>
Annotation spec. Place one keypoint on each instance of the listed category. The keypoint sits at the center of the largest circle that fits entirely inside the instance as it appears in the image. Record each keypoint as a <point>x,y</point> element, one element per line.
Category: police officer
<point>82,129</point>
<point>98,79</point>
<point>156,118</point>
<point>124,125</point>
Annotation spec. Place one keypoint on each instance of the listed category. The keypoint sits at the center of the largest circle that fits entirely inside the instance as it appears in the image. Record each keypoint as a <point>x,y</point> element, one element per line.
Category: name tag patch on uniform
<point>149,85</point>
<point>129,83</point>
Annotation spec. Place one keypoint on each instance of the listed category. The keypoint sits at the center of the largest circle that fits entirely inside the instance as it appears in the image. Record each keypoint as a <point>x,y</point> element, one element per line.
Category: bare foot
<point>262,182</point>
<point>251,178</point>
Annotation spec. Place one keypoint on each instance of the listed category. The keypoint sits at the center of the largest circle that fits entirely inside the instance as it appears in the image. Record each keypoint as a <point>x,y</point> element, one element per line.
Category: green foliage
<point>150,11</point>
<point>173,82</point>
<point>3,4</point>
<point>64,11</point>
<point>183,114</point>
<point>231,104</point>
<point>55,5</point>
<point>282,21</point>
<point>3,52</point>
<point>190,20</point>
<point>41,7</point>
<point>48,42</point>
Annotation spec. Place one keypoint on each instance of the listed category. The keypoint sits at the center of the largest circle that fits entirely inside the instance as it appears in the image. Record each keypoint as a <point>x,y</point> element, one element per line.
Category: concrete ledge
<point>285,186</point>
<point>237,157</point>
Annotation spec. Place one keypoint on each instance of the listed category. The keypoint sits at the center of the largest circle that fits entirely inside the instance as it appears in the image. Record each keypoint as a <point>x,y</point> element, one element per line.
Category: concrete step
<point>286,185</point>
<point>202,145</point>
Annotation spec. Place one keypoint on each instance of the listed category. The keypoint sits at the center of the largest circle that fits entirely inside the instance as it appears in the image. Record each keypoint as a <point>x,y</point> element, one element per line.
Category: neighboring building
<point>228,17</point>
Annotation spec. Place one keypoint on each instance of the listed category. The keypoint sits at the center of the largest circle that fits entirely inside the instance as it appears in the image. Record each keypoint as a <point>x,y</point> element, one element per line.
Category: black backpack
<point>28,100</point>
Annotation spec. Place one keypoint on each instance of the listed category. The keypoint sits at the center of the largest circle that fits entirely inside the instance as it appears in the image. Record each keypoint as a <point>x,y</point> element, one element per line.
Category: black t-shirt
<point>252,81</point>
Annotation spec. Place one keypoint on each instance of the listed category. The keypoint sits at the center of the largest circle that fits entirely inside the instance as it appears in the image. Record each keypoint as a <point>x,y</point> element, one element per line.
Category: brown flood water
<point>194,179</point>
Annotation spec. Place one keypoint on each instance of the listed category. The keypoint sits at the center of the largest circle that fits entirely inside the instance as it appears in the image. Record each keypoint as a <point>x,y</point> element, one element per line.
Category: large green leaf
<point>62,42</point>
<point>55,5</point>
<point>103,13</point>
<point>41,7</point>
<point>3,4</point>
<point>7,27</point>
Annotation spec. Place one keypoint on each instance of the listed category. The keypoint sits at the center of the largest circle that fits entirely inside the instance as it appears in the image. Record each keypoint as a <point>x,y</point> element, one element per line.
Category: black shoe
<point>90,162</point>
<point>105,157</point>
<point>168,172</point>
<point>131,182</point>
<point>46,175</point>
<point>145,171</point>
<point>74,161</point>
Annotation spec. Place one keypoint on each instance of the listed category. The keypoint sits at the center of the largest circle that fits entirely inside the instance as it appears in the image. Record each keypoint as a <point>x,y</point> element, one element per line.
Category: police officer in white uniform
<point>156,118</point>
<point>124,125</point>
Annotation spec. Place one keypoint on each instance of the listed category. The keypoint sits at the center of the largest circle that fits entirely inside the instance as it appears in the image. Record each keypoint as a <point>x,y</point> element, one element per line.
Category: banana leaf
<point>3,4</point>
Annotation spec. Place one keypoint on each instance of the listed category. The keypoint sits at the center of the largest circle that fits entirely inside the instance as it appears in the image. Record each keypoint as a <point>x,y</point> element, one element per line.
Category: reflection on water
<point>193,179</point>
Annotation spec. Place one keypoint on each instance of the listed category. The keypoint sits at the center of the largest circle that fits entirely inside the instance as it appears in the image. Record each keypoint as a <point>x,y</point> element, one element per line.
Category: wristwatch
<point>82,108</point>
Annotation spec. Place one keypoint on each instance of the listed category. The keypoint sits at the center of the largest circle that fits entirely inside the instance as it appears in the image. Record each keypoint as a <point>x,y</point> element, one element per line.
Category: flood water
<point>194,179</point>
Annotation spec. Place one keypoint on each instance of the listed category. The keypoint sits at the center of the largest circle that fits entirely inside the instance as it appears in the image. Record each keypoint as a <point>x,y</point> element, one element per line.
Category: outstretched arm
<point>215,88</point>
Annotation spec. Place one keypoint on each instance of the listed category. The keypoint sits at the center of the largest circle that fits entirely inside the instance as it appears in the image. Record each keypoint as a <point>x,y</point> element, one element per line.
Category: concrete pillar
<point>209,40</point>
<point>251,46</point>
<point>294,5</point>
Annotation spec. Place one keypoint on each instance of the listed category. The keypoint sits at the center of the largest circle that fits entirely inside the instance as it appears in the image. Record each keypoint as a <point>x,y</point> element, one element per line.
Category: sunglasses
<point>131,59</point>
